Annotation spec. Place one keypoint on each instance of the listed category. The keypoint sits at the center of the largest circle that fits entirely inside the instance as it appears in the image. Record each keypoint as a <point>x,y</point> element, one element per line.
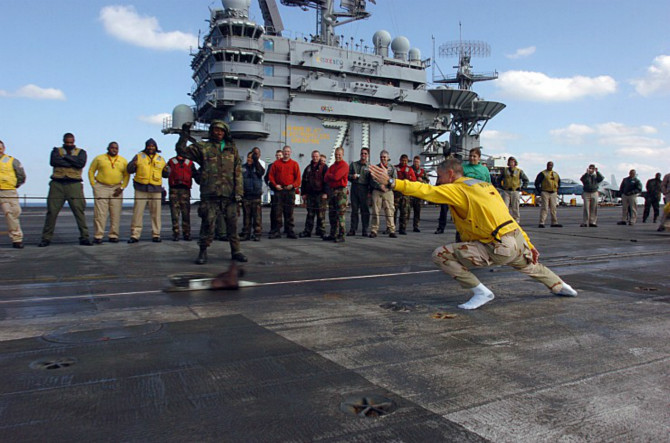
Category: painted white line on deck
<point>243,284</point>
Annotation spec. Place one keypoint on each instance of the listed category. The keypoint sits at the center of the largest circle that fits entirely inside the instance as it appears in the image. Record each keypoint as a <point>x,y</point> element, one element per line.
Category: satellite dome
<point>414,55</point>
<point>381,38</point>
<point>400,47</point>
<point>182,114</point>
<point>236,4</point>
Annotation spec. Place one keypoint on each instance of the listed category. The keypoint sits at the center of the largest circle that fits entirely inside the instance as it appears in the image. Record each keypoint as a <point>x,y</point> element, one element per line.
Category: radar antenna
<point>465,50</point>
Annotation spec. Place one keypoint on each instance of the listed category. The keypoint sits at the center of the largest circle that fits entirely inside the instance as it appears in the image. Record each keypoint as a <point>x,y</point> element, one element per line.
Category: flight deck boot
<point>202,257</point>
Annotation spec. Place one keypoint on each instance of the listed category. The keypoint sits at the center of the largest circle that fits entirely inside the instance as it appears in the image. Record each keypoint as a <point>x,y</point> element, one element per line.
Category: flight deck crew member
<point>108,177</point>
<point>66,184</point>
<point>252,177</point>
<point>590,181</point>
<point>630,187</point>
<point>336,184</point>
<point>652,197</point>
<point>490,235</point>
<point>402,202</point>
<point>274,198</point>
<point>149,169</point>
<point>513,179</point>
<point>181,173</point>
<point>382,198</point>
<point>313,190</point>
<point>547,183</point>
<point>12,176</point>
<point>285,178</point>
<point>221,184</point>
<point>474,169</point>
<point>416,203</point>
<point>665,188</point>
<point>359,177</point>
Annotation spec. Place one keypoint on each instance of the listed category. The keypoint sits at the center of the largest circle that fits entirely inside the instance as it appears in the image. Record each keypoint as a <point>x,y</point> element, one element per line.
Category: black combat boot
<point>202,257</point>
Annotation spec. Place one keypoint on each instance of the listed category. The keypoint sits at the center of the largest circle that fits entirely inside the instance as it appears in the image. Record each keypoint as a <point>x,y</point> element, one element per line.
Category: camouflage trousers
<point>457,259</point>
<point>208,211</point>
<point>402,205</point>
<point>416,204</point>
<point>337,209</point>
<point>180,204</point>
<point>316,207</point>
<point>285,205</point>
<point>251,208</point>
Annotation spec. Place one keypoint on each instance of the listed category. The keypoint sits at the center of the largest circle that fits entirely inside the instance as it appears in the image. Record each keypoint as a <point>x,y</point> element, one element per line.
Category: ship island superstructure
<point>325,91</point>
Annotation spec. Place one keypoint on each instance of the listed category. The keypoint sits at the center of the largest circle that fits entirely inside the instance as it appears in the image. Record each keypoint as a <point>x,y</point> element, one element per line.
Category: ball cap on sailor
<point>151,142</point>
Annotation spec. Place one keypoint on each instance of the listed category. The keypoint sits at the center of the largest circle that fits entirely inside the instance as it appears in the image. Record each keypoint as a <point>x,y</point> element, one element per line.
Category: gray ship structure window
<point>269,71</point>
<point>268,93</point>
<point>247,116</point>
<point>269,45</point>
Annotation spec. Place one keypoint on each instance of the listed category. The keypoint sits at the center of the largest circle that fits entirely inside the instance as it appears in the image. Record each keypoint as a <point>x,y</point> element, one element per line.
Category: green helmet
<point>219,124</point>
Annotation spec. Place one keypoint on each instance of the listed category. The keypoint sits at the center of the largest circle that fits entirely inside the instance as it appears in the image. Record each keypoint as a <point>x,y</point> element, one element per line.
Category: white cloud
<point>156,119</point>
<point>496,141</point>
<point>35,92</point>
<point>537,86</point>
<point>657,79</point>
<point>522,52</point>
<point>124,23</point>
<point>613,128</point>
<point>573,134</point>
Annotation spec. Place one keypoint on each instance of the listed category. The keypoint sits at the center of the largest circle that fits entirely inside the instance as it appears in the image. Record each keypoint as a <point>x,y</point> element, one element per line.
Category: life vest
<point>181,173</point>
<point>420,175</point>
<point>511,180</point>
<point>67,172</point>
<point>7,174</point>
<point>149,171</point>
<point>550,181</point>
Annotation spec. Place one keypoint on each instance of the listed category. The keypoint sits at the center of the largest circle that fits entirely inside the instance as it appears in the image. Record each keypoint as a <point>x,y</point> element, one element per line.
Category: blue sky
<point>584,81</point>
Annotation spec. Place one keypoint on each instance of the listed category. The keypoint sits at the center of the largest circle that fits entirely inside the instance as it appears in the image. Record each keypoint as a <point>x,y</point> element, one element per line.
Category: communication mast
<point>469,121</point>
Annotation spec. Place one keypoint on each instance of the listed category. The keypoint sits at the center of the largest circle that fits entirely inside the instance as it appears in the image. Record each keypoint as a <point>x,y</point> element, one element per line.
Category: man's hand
<point>278,188</point>
<point>536,255</point>
<point>324,196</point>
<point>238,198</point>
<point>289,187</point>
<point>186,128</point>
<point>117,192</point>
<point>381,175</point>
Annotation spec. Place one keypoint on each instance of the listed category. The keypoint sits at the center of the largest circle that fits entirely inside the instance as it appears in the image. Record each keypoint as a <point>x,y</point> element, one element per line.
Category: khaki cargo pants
<point>457,259</point>
<point>9,202</point>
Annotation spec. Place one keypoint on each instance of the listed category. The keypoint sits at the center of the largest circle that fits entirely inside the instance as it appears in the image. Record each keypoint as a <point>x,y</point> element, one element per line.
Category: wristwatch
<point>391,182</point>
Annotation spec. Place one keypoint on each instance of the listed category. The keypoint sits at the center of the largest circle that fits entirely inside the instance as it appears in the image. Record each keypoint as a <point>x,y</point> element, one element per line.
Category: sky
<point>584,81</point>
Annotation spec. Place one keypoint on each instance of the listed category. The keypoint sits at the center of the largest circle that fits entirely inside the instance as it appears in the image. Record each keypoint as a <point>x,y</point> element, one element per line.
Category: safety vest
<point>550,181</point>
<point>181,173</point>
<point>69,171</point>
<point>7,173</point>
<point>149,171</point>
<point>511,180</point>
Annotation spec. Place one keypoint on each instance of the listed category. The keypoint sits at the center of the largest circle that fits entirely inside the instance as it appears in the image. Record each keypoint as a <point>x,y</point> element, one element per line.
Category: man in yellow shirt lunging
<point>490,235</point>
<point>108,177</point>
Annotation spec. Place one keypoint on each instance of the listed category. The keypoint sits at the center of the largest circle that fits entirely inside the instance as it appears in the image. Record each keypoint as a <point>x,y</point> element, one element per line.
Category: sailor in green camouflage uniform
<point>221,186</point>
<point>336,179</point>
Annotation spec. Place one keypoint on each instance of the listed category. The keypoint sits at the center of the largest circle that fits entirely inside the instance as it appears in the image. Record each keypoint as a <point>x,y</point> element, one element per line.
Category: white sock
<point>566,291</point>
<point>482,295</point>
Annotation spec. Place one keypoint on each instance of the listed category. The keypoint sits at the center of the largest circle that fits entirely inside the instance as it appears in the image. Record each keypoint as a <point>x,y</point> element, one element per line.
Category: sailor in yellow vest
<point>149,169</point>
<point>512,180</point>
<point>66,184</point>
<point>547,183</point>
<point>490,234</point>
<point>109,177</point>
<point>11,177</point>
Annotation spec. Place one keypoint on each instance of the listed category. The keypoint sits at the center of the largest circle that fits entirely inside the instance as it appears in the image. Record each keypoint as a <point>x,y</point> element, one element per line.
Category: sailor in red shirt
<point>416,203</point>
<point>182,173</point>
<point>401,202</point>
<point>336,179</point>
<point>285,179</point>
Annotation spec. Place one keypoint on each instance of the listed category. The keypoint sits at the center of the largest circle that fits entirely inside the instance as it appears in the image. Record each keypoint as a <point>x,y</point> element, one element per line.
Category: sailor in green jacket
<point>221,184</point>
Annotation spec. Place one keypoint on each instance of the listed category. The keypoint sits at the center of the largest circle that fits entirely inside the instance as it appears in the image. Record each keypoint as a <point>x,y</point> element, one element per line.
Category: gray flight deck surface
<point>92,349</point>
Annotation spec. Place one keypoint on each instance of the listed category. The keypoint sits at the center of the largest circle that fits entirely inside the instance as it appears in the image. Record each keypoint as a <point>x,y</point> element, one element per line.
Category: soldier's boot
<point>202,256</point>
<point>238,256</point>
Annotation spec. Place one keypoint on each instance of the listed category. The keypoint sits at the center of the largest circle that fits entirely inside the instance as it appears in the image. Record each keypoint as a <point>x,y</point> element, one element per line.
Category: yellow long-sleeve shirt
<point>476,207</point>
<point>109,170</point>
